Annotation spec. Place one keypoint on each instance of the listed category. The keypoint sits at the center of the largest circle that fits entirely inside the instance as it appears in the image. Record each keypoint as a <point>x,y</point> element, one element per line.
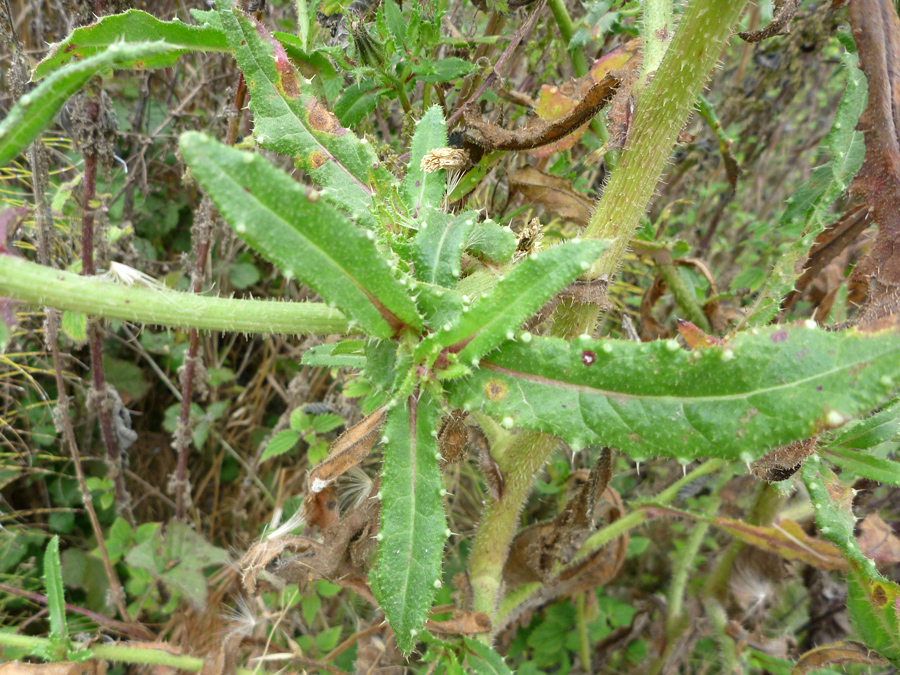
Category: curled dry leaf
<point>876,30</point>
<point>782,463</point>
<point>453,438</point>
<point>489,467</point>
<point>837,653</point>
<point>877,540</point>
<point>696,338</point>
<point>554,193</point>
<point>539,133</point>
<point>350,448</point>
<point>470,623</point>
<point>529,240</point>
<point>779,25</point>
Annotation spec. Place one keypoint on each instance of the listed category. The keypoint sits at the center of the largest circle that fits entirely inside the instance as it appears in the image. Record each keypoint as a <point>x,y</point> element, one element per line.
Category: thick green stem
<point>37,285</point>
<point>656,33</point>
<point>123,654</point>
<point>567,30</point>
<point>662,111</point>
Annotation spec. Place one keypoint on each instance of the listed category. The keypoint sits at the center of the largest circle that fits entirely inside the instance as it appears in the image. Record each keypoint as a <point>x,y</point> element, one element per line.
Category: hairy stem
<point>37,285</point>
<point>662,110</point>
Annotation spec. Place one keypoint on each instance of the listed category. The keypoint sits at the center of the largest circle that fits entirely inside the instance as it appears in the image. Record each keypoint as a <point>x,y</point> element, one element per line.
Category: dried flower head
<point>444,158</point>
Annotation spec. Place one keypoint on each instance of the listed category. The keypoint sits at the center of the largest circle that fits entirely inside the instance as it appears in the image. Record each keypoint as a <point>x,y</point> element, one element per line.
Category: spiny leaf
<point>132,26</point>
<point>483,660</point>
<point>867,466</point>
<point>864,434</point>
<point>874,609</point>
<point>439,245</point>
<point>494,317</point>
<point>305,237</point>
<point>810,204</point>
<point>36,109</point>
<point>422,189</point>
<point>53,584</point>
<point>290,121</point>
<point>492,242</point>
<point>413,527</point>
<point>760,390</point>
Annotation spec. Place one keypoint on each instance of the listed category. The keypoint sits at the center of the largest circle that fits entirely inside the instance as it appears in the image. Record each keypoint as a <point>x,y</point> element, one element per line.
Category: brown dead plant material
<point>342,557</point>
<point>539,133</point>
<point>469,623</point>
<point>782,463</point>
<point>876,30</point>
<point>453,438</point>
<point>838,653</point>
<point>538,549</point>
<point>554,193</point>
<point>877,540</point>
<point>493,477</point>
<point>780,24</point>
<point>350,448</point>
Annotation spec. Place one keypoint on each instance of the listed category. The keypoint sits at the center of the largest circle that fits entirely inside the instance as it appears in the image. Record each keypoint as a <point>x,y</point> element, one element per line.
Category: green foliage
<point>36,109</point>
<point>728,401</point>
<point>413,526</point>
<point>132,26</point>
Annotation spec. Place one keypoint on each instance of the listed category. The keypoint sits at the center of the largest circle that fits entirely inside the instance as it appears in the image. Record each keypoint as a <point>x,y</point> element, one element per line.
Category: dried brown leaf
<point>453,438</point>
<point>470,623</point>
<point>878,541</point>
<point>554,193</point>
<point>489,467</point>
<point>539,133</point>
<point>782,463</point>
<point>350,448</point>
<point>787,539</point>
<point>837,653</point>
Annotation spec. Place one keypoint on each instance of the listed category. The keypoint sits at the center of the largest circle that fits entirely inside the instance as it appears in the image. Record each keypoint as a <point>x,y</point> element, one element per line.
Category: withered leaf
<point>782,463</point>
<point>539,133</point>
<point>553,193</point>
<point>320,509</point>
<point>779,25</point>
<point>489,467</point>
<point>470,623</point>
<point>696,338</point>
<point>453,438</point>
<point>878,541</point>
<point>350,448</point>
<point>837,653</point>
<point>788,540</point>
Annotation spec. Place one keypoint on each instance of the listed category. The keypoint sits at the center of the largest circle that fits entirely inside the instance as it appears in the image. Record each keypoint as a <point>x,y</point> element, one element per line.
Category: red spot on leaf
<point>588,357</point>
<point>780,336</point>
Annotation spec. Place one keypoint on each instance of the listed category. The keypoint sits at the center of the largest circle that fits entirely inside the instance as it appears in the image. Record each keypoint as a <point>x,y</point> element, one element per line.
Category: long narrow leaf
<point>304,236</point>
<point>289,120</point>
<point>413,526</point>
<point>494,317</point>
<point>36,109</point>
<point>53,584</point>
<point>422,189</point>
<point>439,245</point>
<point>132,26</point>
<point>760,390</point>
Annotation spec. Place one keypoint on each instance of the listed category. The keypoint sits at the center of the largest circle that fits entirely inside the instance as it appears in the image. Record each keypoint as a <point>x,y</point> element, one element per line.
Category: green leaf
<point>321,356</point>
<point>866,466</point>
<point>322,424</point>
<point>413,528</point>
<point>444,70</point>
<point>492,242</point>
<point>483,660</point>
<point>327,639</point>
<point>864,434</point>
<point>306,238</point>
<point>493,318</point>
<point>53,584</point>
<point>290,121</point>
<point>760,390</point>
<point>243,275</point>
<point>74,324</point>
<point>874,606</point>
<point>396,24</point>
<point>441,306</point>
<point>358,101</point>
<point>439,245</point>
<point>282,442</point>
<point>177,558</point>
<point>36,109</point>
<point>420,189</point>
<point>130,27</point>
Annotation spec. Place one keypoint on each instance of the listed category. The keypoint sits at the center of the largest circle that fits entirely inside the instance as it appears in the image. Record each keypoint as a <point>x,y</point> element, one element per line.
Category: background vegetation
<point>710,568</point>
